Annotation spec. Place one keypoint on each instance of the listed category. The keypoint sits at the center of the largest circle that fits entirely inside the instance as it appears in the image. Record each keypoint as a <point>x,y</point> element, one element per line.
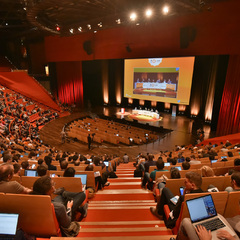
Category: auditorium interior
<point>104,79</point>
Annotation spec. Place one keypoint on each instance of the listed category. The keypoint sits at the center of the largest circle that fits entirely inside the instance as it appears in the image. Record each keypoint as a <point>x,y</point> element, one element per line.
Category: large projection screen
<point>159,79</point>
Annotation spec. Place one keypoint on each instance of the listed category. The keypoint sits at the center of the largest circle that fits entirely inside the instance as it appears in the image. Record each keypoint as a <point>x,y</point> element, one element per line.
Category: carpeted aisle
<point>123,210</point>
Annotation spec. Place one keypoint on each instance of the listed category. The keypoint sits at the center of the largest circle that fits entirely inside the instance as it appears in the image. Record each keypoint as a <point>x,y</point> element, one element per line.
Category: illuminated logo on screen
<point>155,61</point>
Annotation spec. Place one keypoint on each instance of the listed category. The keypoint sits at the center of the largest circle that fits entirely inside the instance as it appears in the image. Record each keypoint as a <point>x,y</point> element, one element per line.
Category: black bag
<point>137,173</point>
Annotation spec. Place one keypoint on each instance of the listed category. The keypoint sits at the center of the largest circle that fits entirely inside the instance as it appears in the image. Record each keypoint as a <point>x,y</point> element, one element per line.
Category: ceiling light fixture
<point>148,13</point>
<point>89,26</point>
<point>71,30</point>
<point>100,24</point>
<point>80,29</point>
<point>118,21</point>
<point>165,10</point>
<point>133,16</point>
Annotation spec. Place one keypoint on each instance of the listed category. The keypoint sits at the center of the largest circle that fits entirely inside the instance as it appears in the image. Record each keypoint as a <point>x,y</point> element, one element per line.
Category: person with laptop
<point>148,178</point>
<point>65,211</point>
<point>188,232</point>
<point>193,182</point>
<point>8,186</point>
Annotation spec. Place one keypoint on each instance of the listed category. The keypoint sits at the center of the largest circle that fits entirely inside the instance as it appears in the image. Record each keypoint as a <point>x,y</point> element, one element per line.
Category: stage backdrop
<point>229,116</point>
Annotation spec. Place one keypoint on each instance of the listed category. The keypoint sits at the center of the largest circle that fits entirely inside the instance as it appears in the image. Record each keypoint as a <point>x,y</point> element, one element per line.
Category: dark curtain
<point>70,82</point>
<point>229,115</point>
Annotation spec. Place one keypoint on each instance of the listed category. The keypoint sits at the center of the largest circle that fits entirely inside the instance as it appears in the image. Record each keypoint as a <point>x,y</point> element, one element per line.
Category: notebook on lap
<point>83,180</point>
<point>202,211</point>
<point>8,225</point>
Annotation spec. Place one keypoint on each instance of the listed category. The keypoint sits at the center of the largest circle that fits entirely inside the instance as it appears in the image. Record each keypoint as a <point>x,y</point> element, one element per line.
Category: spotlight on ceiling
<point>89,26</point>
<point>100,24</point>
<point>80,29</point>
<point>148,12</point>
<point>165,10</point>
<point>71,30</point>
<point>58,28</point>
<point>133,16</point>
<point>118,21</point>
<point>95,31</point>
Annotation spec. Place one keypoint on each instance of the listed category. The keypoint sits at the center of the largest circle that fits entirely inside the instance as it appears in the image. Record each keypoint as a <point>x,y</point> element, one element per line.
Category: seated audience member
<point>150,162</point>
<point>148,178</point>
<point>174,161</point>
<point>32,156</point>
<point>40,161</point>
<point>207,171</point>
<point>228,144</point>
<point>99,181</point>
<point>42,170</point>
<point>193,160</point>
<point>16,158</point>
<point>237,162</point>
<point>48,161</point>
<point>67,200</point>
<point>185,165</point>
<point>8,186</point>
<point>69,172</point>
<point>193,182</point>
<point>7,158</point>
<point>63,165</point>
<point>188,232</point>
<point>16,169</point>
<point>174,174</point>
<point>77,163</point>
<point>230,154</point>
<point>235,183</point>
<point>25,165</point>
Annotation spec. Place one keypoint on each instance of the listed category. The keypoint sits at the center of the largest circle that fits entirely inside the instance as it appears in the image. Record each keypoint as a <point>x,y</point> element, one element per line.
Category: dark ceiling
<point>35,18</point>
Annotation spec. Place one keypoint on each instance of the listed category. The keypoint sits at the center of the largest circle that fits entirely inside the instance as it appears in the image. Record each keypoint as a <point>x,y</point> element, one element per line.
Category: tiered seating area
<point>121,210</point>
<point>109,131</point>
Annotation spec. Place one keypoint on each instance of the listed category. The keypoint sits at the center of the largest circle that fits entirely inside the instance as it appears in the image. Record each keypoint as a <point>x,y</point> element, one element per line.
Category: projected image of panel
<point>159,79</point>
<point>159,82</point>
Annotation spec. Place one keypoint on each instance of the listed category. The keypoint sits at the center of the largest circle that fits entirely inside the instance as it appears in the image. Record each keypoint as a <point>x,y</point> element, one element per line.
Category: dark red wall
<point>217,33</point>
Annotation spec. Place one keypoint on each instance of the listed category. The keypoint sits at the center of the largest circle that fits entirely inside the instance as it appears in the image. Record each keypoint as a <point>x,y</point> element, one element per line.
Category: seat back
<point>28,181</point>
<point>215,181</point>
<point>36,213</point>
<point>90,178</point>
<point>70,184</point>
<point>233,205</point>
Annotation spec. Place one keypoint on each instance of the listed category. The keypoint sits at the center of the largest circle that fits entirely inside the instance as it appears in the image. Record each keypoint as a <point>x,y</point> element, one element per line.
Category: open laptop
<point>202,211</point>
<point>83,180</point>
<point>8,225</point>
<point>30,173</point>
<point>107,164</point>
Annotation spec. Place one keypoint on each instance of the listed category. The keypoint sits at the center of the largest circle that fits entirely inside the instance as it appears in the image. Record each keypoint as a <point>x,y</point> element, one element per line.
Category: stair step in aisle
<point>122,211</point>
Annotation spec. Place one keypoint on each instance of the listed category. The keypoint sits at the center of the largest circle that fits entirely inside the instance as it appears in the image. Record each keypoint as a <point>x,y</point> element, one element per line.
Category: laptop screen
<point>106,163</point>
<point>8,224</point>
<point>166,164</point>
<point>179,168</point>
<point>30,173</point>
<point>201,208</point>
<point>83,178</point>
